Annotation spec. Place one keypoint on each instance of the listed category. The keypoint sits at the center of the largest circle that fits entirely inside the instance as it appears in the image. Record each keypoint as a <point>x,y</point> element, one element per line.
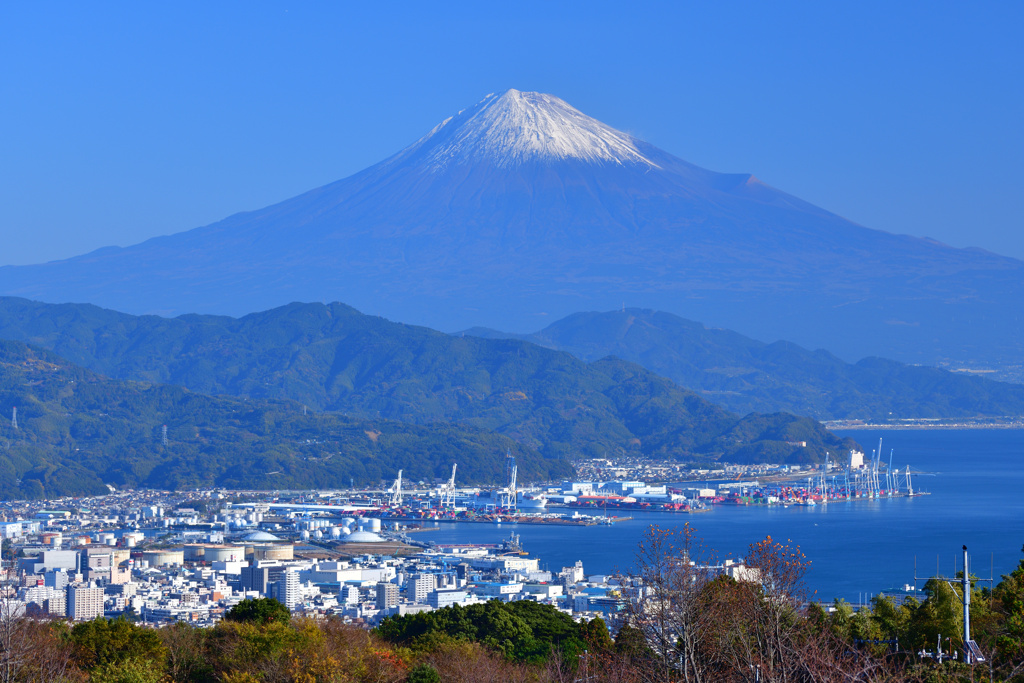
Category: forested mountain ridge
<point>745,375</point>
<point>331,357</point>
<point>78,431</point>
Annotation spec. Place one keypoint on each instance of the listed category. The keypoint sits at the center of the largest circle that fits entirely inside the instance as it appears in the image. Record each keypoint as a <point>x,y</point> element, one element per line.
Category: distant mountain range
<point>746,375</point>
<point>521,210</point>
<point>77,432</point>
<point>333,358</point>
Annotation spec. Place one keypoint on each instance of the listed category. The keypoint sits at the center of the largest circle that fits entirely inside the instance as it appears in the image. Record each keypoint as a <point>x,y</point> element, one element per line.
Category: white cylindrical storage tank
<point>194,552</point>
<point>304,535</point>
<point>111,541</point>
<point>318,534</point>
<point>160,558</point>
<point>374,525</point>
<point>335,532</point>
<point>105,538</point>
<point>348,521</point>
<point>225,554</point>
<point>273,552</point>
<point>345,531</point>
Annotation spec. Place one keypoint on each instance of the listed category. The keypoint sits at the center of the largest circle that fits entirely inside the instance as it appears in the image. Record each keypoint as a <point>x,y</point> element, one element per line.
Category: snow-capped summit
<point>513,127</point>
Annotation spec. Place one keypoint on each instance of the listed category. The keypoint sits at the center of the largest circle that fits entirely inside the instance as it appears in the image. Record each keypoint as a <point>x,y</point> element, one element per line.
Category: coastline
<point>926,423</point>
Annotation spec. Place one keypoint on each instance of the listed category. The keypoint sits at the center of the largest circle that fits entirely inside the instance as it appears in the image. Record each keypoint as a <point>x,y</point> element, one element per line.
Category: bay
<point>975,479</point>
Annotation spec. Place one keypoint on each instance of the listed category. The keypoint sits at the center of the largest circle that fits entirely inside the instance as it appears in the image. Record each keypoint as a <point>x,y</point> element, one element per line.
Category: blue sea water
<point>975,478</point>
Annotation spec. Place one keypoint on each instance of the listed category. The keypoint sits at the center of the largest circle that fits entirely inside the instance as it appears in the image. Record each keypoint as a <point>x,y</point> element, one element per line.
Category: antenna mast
<point>972,653</point>
<point>14,417</point>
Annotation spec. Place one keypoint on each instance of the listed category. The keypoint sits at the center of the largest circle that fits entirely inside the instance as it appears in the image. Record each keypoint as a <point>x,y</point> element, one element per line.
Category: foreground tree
<point>763,613</point>
<point>112,641</point>
<point>186,646</point>
<point>259,611</point>
<point>34,651</point>
<point>673,572</point>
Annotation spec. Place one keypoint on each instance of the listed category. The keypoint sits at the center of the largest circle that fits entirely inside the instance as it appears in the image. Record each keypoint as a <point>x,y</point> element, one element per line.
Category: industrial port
<point>591,503</point>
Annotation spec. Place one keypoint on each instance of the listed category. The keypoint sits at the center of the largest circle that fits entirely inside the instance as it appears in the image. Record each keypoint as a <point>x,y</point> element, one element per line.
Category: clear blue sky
<point>122,121</point>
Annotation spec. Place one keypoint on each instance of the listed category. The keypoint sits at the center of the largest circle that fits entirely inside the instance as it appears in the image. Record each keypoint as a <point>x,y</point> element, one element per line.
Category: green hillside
<point>78,431</point>
<point>746,375</point>
<point>331,357</point>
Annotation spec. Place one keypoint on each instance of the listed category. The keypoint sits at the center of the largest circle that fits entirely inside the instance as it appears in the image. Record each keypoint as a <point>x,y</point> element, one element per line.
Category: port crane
<point>509,494</point>
<point>448,490</point>
<point>395,492</point>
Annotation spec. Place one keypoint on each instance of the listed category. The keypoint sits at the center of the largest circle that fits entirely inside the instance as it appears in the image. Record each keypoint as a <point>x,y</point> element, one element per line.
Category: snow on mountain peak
<point>514,127</point>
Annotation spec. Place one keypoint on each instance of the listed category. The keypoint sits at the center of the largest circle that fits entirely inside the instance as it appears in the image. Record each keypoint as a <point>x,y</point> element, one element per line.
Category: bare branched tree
<point>30,649</point>
<point>673,569</point>
<point>756,626</point>
<point>15,639</point>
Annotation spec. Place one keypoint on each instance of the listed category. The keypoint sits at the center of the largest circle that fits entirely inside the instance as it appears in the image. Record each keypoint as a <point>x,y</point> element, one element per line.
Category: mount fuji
<point>522,209</point>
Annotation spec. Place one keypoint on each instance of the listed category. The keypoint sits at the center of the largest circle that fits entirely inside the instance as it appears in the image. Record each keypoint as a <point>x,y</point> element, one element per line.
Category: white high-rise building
<point>84,603</point>
<point>387,595</point>
<point>288,589</point>
<point>417,588</point>
<point>350,595</point>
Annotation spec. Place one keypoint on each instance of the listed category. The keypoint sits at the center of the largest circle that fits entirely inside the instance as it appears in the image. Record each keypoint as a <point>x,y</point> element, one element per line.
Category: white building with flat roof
<point>84,603</point>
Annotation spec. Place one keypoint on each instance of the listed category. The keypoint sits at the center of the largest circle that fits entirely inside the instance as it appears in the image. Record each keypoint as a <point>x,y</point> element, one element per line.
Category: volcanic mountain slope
<point>747,375</point>
<point>77,432</point>
<point>522,207</point>
<point>335,358</point>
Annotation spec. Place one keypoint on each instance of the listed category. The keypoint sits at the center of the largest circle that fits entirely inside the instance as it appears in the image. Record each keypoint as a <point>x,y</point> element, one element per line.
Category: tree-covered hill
<point>334,358</point>
<point>747,375</point>
<point>78,432</point>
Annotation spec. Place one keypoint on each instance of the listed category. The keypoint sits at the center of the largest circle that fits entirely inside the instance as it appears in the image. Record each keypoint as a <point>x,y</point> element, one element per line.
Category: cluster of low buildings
<point>159,558</point>
<point>574,491</point>
<point>652,471</point>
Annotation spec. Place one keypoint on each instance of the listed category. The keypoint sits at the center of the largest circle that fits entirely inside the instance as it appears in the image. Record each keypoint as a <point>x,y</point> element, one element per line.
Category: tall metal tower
<point>14,417</point>
<point>164,435</point>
